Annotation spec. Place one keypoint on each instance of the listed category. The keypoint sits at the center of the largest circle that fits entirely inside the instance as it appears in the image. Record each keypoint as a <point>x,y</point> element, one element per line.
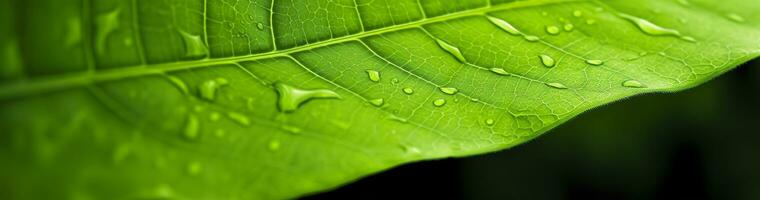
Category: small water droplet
<point>220,133</point>
<point>194,168</point>
<point>239,118</point>
<point>208,88</point>
<point>557,85</point>
<point>449,90</point>
<point>439,102</point>
<point>394,81</point>
<point>214,116</point>
<point>689,39</point>
<point>633,84</point>
<point>489,122</point>
<point>377,102</point>
<point>192,127</point>
<point>569,27</point>
<point>577,13</point>
<point>374,76</point>
<point>408,90</point>
<point>548,61</point>
<point>684,2</point>
<point>290,97</point>
<point>551,29</point>
<point>544,13</point>
<point>735,17</point>
<point>291,129</point>
<point>397,118</point>
<point>504,25</point>
<point>595,62</point>
<point>260,26</point>
<point>412,150</point>
<point>106,24</point>
<point>590,21</point>
<point>500,71</point>
<point>274,145</point>
<point>454,51</point>
<point>194,45</point>
<point>531,38</point>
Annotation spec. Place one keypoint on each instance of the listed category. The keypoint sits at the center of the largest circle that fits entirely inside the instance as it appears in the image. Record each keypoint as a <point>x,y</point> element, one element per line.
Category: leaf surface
<point>263,99</point>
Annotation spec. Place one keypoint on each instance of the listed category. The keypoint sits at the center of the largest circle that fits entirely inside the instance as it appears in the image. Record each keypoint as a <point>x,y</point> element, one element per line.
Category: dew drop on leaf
<point>449,90</point>
<point>557,85</point>
<point>532,38</point>
<point>192,126</point>
<point>214,116</point>
<point>408,90</point>
<point>504,25</point>
<point>551,29</point>
<point>439,102</point>
<point>194,168</point>
<point>260,26</point>
<point>454,51</point>
<point>595,62</point>
<point>290,97</point>
<point>735,17</point>
<point>569,27</point>
<point>577,13</point>
<point>633,84</point>
<point>377,102</point>
<point>489,122</point>
<point>374,76</point>
<point>548,61</point>
<point>590,21</point>
<point>274,145</point>
<point>194,45</point>
<point>500,71</point>
<point>239,118</point>
<point>105,24</point>
<point>209,88</point>
<point>653,29</point>
<point>179,84</point>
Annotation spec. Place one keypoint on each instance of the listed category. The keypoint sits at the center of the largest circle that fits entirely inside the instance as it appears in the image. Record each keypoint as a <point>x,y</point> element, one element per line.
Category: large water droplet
<point>192,127</point>
<point>408,90</point>
<point>633,84</point>
<point>548,61</point>
<point>374,76</point>
<point>594,62</point>
<point>290,97</point>
<point>500,71</point>
<point>554,30</point>
<point>504,25</point>
<point>208,88</point>
<point>557,85</point>
<point>439,102</point>
<point>449,90</point>
<point>651,28</point>
<point>105,24</point>
<point>239,118</point>
<point>377,102</point>
<point>194,45</point>
<point>454,51</point>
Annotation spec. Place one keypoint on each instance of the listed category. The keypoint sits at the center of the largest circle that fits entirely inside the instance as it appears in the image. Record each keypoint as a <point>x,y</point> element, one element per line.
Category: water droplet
<point>106,24</point>
<point>548,61</point>
<point>569,27</point>
<point>192,126</point>
<point>633,84</point>
<point>290,97</point>
<point>239,118</point>
<point>554,30</point>
<point>689,39</point>
<point>500,71</point>
<point>208,88</point>
<point>220,133</point>
<point>590,21</point>
<point>544,13</point>
<point>397,118</point>
<point>394,81</point>
<point>194,168</point>
<point>504,25</point>
<point>408,90</point>
<point>594,62</point>
<point>735,17</point>
<point>179,84</point>
<point>454,51</point>
<point>377,102</point>
<point>651,28</point>
<point>577,13</point>
<point>291,129</point>
<point>684,2</point>
<point>260,26</point>
<point>489,122</point>
<point>531,38</point>
<point>411,150</point>
<point>274,145</point>
<point>214,116</point>
<point>439,102</point>
<point>194,45</point>
<point>557,85</point>
<point>449,90</point>
<point>374,76</point>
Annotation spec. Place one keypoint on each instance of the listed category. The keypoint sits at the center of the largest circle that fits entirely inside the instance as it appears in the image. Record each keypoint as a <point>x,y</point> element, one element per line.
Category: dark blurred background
<point>703,143</point>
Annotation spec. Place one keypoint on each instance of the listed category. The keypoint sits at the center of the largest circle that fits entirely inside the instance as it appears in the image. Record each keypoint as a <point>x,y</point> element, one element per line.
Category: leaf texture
<point>265,99</point>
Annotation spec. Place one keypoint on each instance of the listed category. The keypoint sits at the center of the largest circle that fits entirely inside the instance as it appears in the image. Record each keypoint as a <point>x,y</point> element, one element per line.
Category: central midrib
<point>58,82</point>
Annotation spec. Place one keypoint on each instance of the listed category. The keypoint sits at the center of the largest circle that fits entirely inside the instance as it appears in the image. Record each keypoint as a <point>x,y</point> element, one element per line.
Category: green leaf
<point>263,99</point>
